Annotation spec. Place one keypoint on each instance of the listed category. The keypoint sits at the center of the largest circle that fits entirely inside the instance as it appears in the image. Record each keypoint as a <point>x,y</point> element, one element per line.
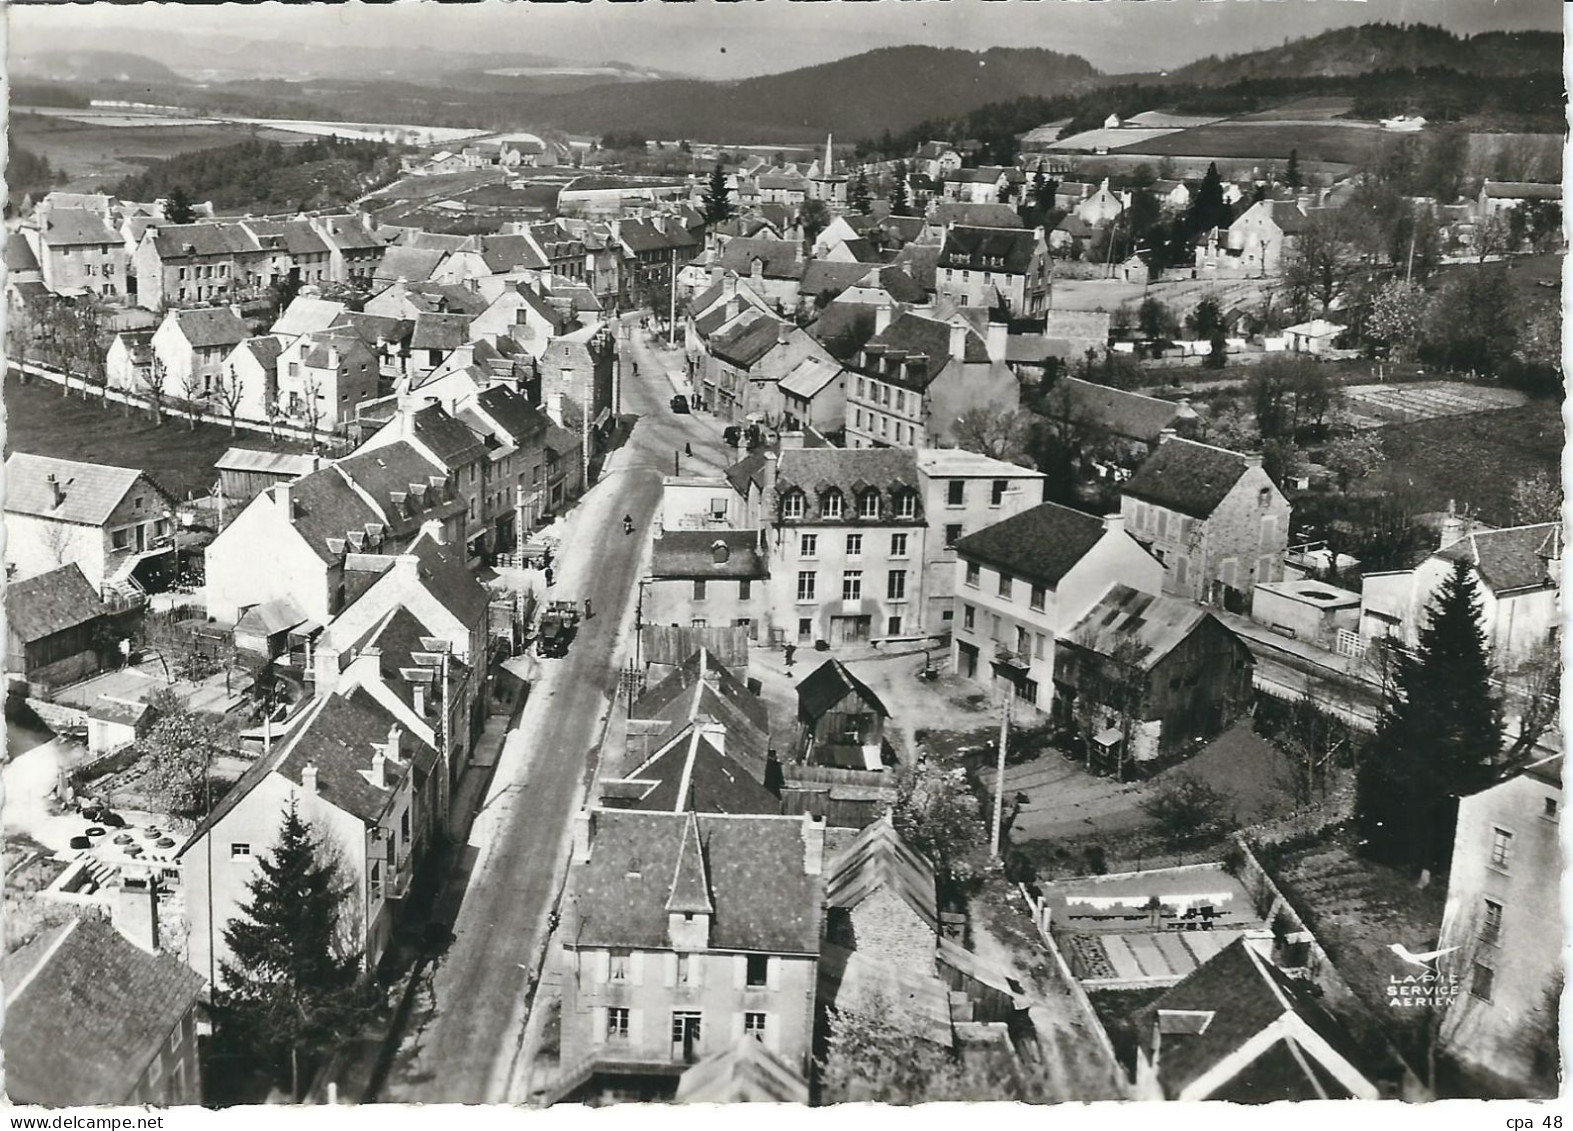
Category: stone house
<point>746,364</point>
<point>189,348</point>
<point>1025,582</point>
<point>995,267</point>
<point>131,364</point>
<point>703,578</point>
<point>79,254</point>
<point>1213,517</point>
<point>250,375</point>
<point>685,933</point>
<point>183,264</point>
<point>323,378</point>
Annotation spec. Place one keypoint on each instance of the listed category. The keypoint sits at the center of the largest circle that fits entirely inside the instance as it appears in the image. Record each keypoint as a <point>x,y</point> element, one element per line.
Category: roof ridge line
<point>14,992</point>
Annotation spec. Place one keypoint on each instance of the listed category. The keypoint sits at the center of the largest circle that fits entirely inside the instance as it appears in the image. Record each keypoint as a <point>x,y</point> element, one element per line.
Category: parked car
<point>731,434</point>
<point>679,403</point>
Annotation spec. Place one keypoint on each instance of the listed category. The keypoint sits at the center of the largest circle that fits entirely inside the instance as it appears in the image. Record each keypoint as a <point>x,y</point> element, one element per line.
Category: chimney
<point>134,912</point>
<point>308,777</point>
<point>1452,527</point>
<point>729,284</point>
<point>813,845</point>
<point>997,335</point>
<point>715,274</point>
<point>583,835</point>
<point>379,767</point>
<point>419,692</point>
<point>958,341</point>
<point>719,551</point>
<point>783,330</point>
<point>882,317</point>
<point>1114,523</point>
<point>56,491</point>
<point>234,308</point>
<point>281,496</point>
<point>1252,459</point>
<point>395,738</point>
<point>768,473</point>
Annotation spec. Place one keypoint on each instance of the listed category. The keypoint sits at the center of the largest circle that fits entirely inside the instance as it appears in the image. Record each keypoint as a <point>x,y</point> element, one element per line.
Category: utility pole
<point>584,435</point>
<point>671,322</point>
<point>999,770</point>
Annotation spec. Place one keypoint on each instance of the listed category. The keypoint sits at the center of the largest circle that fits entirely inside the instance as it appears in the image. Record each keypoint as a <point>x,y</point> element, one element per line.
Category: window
<point>852,585</point>
<point>1501,848</point>
<point>893,626</point>
<point>968,616</point>
<point>374,884</point>
<point>404,825</point>
<point>952,534</point>
<point>617,966</point>
<point>240,851</point>
<point>805,627</point>
<point>699,589</point>
<point>832,504</point>
<point>1023,641</point>
<point>792,504</point>
<point>758,973</point>
<point>685,969</point>
<point>1005,584</point>
<point>868,505</point>
<point>906,502</point>
<point>1491,922</point>
<point>898,545</point>
<point>1027,690</point>
<point>698,622</point>
<point>1264,497</point>
<point>1037,598</point>
<point>807,544</point>
<point>120,539</point>
<point>997,495</point>
<point>956,493</point>
<point>754,1025</point>
<point>805,585</point>
<point>1481,984</point>
<point>854,545</point>
<point>1550,811</point>
<point>617,1023</point>
<point>896,585</point>
<point>1038,645</point>
<point>745,589</point>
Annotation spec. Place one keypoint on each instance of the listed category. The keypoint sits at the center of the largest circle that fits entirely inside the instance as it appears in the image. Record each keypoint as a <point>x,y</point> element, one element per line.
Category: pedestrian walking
<point>688,450</point>
<point>791,650</point>
<point>587,612</point>
<point>548,577</point>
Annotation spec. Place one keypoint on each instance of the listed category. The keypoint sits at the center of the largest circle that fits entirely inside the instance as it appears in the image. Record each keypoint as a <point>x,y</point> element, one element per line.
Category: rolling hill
<point>1382,47</point>
<point>87,65</point>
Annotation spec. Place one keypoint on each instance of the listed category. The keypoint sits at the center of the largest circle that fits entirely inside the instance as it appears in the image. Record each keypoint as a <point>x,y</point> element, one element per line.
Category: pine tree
<point>861,201</point>
<point>718,197</point>
<point>1438,734</point>
<point>900,202</point>
<point>291,991</point>
<point>1292,173</point>
<point>1208,210</point>
<point>177,209</point>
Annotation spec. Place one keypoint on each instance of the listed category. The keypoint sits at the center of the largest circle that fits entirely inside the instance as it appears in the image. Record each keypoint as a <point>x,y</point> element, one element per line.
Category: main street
<point>463,1036</point>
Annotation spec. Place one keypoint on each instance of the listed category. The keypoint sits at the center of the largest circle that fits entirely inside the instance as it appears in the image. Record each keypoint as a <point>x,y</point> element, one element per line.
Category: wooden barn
<point>244,473</point>
<point>52,627</point>
<point>841,722</point>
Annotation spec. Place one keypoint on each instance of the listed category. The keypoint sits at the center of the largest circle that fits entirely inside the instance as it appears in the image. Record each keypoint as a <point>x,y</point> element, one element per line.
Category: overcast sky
<point>724,40</point>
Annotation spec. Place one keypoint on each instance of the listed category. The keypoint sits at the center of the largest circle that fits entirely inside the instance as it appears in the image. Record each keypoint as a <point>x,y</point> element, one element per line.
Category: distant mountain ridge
<point>1382,47</point>
<point>89,65</point>
<point>888,88</point>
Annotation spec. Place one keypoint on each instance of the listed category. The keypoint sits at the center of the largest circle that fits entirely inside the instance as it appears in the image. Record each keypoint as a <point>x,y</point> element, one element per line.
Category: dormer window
<point>868,505</point>
<point>906,504</point>
<point>832,504</point>
<point>792,504</point>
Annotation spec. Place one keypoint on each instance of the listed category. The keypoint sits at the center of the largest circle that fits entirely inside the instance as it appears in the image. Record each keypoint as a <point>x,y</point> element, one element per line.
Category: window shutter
<point>636,968</point>
<point>635,1027</point>
<point>773,973</point>
<point>772,1033</point>
<point>739,971</point>
<point>669,969</point>
<point>601,966</point>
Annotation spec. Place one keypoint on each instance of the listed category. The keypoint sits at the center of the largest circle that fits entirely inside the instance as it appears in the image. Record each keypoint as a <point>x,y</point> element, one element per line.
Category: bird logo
<point>1425,960</point>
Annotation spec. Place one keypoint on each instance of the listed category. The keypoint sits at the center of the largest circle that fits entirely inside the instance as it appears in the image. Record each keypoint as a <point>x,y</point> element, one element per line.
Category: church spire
<point>828,159</point>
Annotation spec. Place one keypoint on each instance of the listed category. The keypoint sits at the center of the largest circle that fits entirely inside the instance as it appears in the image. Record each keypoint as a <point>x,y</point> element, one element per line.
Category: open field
<point>41,421</point>
<point>1179,294</point>
<point>1474,460</point>
<point>1346,143</point>
<point>1408,402</point>
<point>95,156</point>
<point>1314,109</point>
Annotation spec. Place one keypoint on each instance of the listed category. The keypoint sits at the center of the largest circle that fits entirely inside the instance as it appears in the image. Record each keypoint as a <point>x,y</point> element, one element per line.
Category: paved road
<point>463,1037</point>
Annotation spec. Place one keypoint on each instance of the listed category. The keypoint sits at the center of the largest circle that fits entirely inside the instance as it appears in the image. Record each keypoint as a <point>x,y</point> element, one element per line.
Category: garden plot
<point>1376,405</point>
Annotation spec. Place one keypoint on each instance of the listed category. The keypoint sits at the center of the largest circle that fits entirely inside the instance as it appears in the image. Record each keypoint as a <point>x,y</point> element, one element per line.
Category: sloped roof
<point>1132,415</point>
<point>324,506</point>
<point>69,227</point>
<point>745,1072</point>
<point>1521,190</point>
<point>764,901</point>
<point>918,1000</point>
<point>508,253</point>
<point>983,175</point>
<point>878,858</point>
<point>810,377</point>
<point>38,607</point>
<point>211,326</point>
<point>827,276</point>
<point>447,437</point>
<point>1041,544</point>
<point>306,313</point>
<point>440,331</point>
<point>86,1010</point>
<point>989,249</point>
<point>748,470</point>
<point>920,261</point>
<point>272,617</point>
<point>1155,625</point>
<point>692,554</point>
<point>339,739</point>
<point>1186,476</point>
<point>381,471</point>
<point>845,469</point>
<point>1244,993</point>
<point>297,237</point>
<point>513,413</point>
<point>1517,557</point>
<point>702,687</point>
<point>781,259</point>
<point>369,328</point>
<point>19,255</point>
<point>412,264</point>
<point>827,685</point>
<point>748,341</point>
<point>690,772</point>
<point>92,490</point>
<point>975,215</point>
<point>181,241</point>
<point>264,349</point>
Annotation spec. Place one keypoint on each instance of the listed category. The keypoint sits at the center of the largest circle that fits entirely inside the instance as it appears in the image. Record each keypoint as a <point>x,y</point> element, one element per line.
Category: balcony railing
<point>1005,654</point>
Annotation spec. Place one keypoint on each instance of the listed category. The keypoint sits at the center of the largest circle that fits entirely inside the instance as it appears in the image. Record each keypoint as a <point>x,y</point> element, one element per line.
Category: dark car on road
<point>731,434</point>
<point>679,403</point>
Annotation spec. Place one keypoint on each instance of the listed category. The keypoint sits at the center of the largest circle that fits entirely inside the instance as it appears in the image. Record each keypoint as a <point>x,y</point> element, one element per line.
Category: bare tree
<point>311,406</point>
<point>150,383</point>
<point>994,432</point>
<point>1537,499</point>
<point>1321,265</point>
<point>193,394</point>
<point>230,392</point>
<point>1493,236</point>
<point>1534,693</point>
